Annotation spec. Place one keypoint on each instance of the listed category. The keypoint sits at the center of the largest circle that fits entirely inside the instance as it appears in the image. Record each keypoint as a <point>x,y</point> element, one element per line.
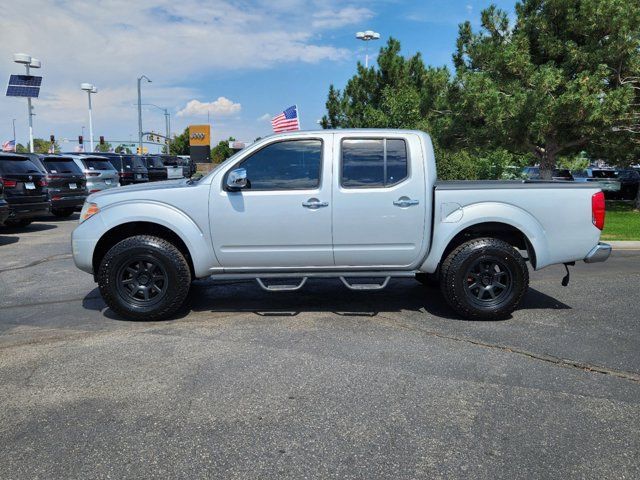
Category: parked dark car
<point>131,168</point>
<point>188,166</point>
<point>629,179</point>
<point>24,189</point>
<point>156,168</point>
<point>66,184</point>
<point>533,173</point>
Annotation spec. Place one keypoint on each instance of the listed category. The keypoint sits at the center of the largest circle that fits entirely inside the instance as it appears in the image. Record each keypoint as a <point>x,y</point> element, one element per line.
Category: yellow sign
<point>199,135</point>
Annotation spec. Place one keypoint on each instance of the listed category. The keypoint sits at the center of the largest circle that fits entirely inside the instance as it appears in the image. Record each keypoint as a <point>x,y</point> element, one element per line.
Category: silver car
<point>98,171</point>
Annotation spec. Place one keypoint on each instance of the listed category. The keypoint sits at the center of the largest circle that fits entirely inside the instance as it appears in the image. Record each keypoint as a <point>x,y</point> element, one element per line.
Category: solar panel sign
<point>24,86</point>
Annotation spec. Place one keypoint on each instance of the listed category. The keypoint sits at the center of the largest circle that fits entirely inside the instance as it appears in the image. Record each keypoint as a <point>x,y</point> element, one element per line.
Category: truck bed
<point>506,184</point>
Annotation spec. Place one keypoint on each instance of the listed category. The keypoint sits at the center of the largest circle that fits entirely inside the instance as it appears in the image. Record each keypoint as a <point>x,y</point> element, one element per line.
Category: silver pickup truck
<point>364,206</point>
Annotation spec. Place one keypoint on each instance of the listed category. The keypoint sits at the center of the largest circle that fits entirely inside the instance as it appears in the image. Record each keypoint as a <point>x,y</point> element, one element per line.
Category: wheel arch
<point>129,229</point>
<point>505,222</point>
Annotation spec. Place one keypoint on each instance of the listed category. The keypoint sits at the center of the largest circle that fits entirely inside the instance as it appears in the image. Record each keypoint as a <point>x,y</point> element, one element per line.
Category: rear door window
<point>371,163</point>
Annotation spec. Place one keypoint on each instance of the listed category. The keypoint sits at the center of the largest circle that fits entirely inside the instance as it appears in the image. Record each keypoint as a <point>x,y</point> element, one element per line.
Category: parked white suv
<point>352,204</point>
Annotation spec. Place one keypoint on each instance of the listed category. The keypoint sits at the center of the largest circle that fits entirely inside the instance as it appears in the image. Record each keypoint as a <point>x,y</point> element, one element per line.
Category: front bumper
<point>599,253</point>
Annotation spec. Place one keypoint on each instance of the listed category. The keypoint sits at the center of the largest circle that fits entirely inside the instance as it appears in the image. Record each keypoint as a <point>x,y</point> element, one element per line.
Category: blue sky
<point>240,61</point>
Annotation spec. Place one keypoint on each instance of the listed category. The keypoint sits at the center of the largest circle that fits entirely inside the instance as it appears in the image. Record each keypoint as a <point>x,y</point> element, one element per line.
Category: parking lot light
<point>29,62</point>
<point>140,110</point>
<point>366,37</point>
<point>89,88</point>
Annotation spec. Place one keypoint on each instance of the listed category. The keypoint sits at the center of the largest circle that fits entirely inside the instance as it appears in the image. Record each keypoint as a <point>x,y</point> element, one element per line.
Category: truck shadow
<point>326,295</point>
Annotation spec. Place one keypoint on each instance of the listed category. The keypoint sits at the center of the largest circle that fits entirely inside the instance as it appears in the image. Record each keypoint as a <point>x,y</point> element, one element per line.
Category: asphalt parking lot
<point>322,383</point>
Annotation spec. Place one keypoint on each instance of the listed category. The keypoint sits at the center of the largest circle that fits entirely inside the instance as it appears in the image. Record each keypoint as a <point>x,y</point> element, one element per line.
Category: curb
<point>624,245</point>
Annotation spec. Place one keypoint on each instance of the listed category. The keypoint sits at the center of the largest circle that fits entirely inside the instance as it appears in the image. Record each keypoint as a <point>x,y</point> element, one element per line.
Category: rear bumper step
<point>599,253</point>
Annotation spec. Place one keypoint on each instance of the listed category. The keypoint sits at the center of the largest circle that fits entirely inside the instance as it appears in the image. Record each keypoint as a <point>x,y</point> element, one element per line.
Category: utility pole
<point>14,134</point>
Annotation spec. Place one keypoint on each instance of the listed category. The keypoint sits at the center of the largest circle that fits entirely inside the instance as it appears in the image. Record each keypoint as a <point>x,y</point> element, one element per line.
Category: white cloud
<point>264,118</point>
<point>177,45</point>
<point>340,18</point>
<point>220,107</point>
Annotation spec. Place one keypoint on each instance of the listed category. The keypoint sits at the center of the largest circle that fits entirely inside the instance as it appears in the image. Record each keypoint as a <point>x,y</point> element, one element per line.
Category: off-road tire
<point>149,249</point>
<point>456,280</point>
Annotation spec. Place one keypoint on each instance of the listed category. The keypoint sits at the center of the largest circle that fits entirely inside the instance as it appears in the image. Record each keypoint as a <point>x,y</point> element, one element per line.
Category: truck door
<point>282,219</point>
<point>379,200</point>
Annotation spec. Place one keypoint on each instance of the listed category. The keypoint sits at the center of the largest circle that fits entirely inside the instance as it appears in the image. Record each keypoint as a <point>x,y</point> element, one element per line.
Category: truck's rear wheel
<point>144,278</point>
<point>484,279</point>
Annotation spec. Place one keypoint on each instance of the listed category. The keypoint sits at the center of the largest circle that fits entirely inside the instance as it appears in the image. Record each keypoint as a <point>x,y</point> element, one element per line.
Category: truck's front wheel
<point>484,279</point>
<point>144,278</point>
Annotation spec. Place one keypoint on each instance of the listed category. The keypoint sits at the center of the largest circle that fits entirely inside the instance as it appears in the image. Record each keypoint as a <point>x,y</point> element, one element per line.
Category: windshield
<point>17,165</point>
<point>61,165</point>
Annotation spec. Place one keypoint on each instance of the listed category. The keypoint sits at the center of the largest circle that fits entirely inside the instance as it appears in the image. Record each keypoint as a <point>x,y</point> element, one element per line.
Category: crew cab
<point>348,204</point>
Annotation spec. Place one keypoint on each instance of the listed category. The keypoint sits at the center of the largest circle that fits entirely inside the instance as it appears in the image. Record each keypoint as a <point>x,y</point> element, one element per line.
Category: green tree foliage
<point>180,143</point>
<point>40,145</point>
<point>553,83</point>
<point>107,147</point>
<point>400,93</point>
<point>563,78</point>
<point>221,152</point>
<point>122,149</point>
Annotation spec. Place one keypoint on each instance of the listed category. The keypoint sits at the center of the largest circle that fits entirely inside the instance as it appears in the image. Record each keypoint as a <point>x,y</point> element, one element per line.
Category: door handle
<point>314,203</point>
<point>404,202</point>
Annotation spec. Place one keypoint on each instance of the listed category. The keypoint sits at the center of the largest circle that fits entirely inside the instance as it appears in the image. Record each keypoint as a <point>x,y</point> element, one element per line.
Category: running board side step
<point>365,286</point>
<point>281,288</point>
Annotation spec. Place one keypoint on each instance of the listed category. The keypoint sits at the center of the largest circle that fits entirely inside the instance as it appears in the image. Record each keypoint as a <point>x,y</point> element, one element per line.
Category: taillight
<point>9,183</point>
<point>42,183</point>
<point>598,210</point>
<point>126,174</point>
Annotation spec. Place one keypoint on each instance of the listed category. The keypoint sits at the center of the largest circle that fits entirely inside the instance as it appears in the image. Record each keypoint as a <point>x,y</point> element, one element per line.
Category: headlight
<point>88,211</point>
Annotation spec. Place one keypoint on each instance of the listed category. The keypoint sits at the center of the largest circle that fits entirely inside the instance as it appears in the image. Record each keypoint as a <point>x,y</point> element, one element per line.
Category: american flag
<point>9,146</point>
<point>287,121</point>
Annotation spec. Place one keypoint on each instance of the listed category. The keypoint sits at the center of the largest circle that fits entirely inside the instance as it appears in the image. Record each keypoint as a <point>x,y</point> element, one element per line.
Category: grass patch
<point>622,222</point>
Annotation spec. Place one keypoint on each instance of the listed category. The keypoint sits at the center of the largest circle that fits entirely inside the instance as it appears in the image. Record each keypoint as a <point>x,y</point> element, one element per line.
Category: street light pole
<point>167,119</point>
<point>13,120</point>
<point>140,111</point>
<point>89,88</point>
<point>367,36</point>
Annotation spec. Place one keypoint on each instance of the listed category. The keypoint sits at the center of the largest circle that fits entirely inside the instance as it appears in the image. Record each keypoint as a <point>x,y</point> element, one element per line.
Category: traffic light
<point>79,139</point>
<point>101,140</point>
<point>52,138</point>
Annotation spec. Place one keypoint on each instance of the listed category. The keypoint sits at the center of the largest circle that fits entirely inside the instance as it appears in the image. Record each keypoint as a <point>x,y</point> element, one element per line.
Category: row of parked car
<point>620,183</point>
<point>32,184</point>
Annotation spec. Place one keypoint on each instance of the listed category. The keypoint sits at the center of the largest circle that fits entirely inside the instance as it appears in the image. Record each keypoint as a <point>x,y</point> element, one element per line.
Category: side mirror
<point>237,179</point>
